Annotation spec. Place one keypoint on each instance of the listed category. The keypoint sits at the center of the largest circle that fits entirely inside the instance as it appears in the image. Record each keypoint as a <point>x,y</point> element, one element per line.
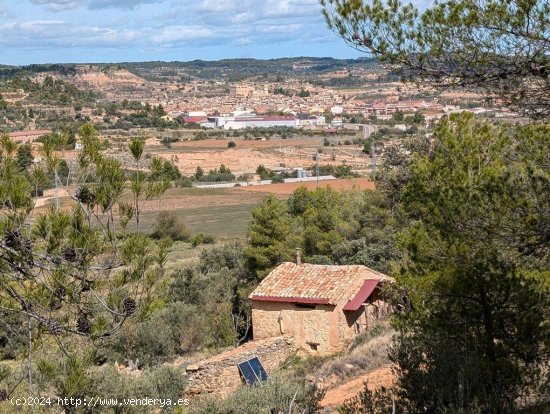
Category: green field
<point>225,222</point>
<point>222,222</point>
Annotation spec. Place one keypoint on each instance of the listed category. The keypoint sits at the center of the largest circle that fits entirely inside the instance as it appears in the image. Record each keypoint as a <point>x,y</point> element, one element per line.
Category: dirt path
<point>337,395</point>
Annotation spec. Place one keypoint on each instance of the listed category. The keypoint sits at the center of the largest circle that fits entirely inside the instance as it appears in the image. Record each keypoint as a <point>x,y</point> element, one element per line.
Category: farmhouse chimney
<point>298,256</point>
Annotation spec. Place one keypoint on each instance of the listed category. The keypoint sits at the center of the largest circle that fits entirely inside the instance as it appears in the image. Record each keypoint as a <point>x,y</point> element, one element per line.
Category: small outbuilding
<point>322,307</point>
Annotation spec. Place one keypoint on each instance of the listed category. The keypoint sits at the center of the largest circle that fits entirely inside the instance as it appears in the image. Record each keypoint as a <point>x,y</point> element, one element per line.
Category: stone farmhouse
<point>297,308</point>
<point>321,307</point>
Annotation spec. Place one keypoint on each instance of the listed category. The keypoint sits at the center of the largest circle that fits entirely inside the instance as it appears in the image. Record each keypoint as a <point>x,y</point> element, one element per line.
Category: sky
<point>86,31</point>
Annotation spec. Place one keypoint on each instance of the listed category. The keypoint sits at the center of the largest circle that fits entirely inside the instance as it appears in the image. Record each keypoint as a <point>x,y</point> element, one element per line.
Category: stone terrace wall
<point>219,375</point>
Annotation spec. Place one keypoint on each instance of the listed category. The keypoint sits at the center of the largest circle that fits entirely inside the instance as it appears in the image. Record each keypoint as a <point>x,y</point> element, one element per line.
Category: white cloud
<point>62,5</point>
<point>216,6</point>
<point>161,25</point>
<point>183,34</point>
<point>280,28</point>
<point>59,34</point>
<point>123,4</point>
<point>59,5</point>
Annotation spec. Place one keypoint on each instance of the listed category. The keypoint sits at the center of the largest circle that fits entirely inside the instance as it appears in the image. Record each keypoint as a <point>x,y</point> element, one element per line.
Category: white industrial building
<point>250,120</point>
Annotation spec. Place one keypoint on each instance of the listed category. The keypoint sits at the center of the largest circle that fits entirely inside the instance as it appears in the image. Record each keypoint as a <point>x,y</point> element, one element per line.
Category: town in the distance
<point>283,114</point>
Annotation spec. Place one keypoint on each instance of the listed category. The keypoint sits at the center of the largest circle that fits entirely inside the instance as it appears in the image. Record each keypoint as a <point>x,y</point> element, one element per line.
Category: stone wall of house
<point>324,329</point>
<point>219,375</point>
<point>314,329</point>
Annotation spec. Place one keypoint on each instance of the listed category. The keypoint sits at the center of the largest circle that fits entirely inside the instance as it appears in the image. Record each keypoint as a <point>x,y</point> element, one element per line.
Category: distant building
<point>197,114</point>
<point>243,90</point>
<point>310,120</point>
<point>317,110</point>
<point>250,120</point>
<point>29,136</point>
<point>248,90</point>
<point>322,307</point>
<point>337,110</point>
<point>195,119</point>
<point>337,121</point>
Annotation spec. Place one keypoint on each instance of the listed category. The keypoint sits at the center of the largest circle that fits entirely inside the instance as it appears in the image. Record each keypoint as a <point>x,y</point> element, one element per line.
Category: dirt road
<point>337,395</point>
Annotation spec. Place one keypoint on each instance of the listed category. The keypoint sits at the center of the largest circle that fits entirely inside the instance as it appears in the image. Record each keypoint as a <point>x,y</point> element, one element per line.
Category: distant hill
<point>9,72</point>
<point>226,69</point>
<point>238,69</point>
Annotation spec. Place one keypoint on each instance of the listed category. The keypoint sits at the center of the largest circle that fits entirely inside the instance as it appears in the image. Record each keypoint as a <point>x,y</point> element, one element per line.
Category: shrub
<point>202,239</point>
<point>167,141</point>
<point>217,175</point>
<point>162,382</point>
<point>363,338</point>
<point>231,144</point>
<point>278,395</point>
<point>172,331</point>
<point>244,177</point>
<point>167,224</point>
<point>368,353</point>
<point>184,182</point>
<point>262,172</point>
<point>277,179</point>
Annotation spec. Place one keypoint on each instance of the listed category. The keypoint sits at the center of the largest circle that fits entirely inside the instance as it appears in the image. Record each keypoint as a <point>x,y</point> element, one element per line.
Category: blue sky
<point>47,31</point>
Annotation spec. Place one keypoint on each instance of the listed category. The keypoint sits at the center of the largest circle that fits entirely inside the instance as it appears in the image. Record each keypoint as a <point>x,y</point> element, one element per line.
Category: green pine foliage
<point>330,227</point>
<point>497,47</point>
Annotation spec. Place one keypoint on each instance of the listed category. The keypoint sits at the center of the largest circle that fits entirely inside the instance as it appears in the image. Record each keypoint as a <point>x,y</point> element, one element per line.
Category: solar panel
<point>247,373</point>
<point>258,369</point>
<point>252,371</point>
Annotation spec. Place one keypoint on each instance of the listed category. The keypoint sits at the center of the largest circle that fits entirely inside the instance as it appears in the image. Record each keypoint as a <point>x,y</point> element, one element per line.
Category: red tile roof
<point>315,283</point>
<point>362,295</point>
<point>195,119</point>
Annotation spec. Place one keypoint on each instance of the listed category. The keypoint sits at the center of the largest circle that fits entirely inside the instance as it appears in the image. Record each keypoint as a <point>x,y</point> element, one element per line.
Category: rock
<point>192,368</point>
<point>193,390</point>
<point>349,367</point>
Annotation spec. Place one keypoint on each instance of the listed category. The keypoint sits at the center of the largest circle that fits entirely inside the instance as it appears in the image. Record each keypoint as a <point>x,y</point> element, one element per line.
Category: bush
<point>165,171</point>
<point>167,224</point>
<point>184,182</point>
<point>170,332</point>
<point>217,175</point>
<point>202,239</point>
<point>262,172</point>
<point>278,395</point>
<point>277,179</point>
<point>162,382</point>
<point>364,337</point>
<point>244,177</point>
<point>167,141</point>
<point>231,144</point>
